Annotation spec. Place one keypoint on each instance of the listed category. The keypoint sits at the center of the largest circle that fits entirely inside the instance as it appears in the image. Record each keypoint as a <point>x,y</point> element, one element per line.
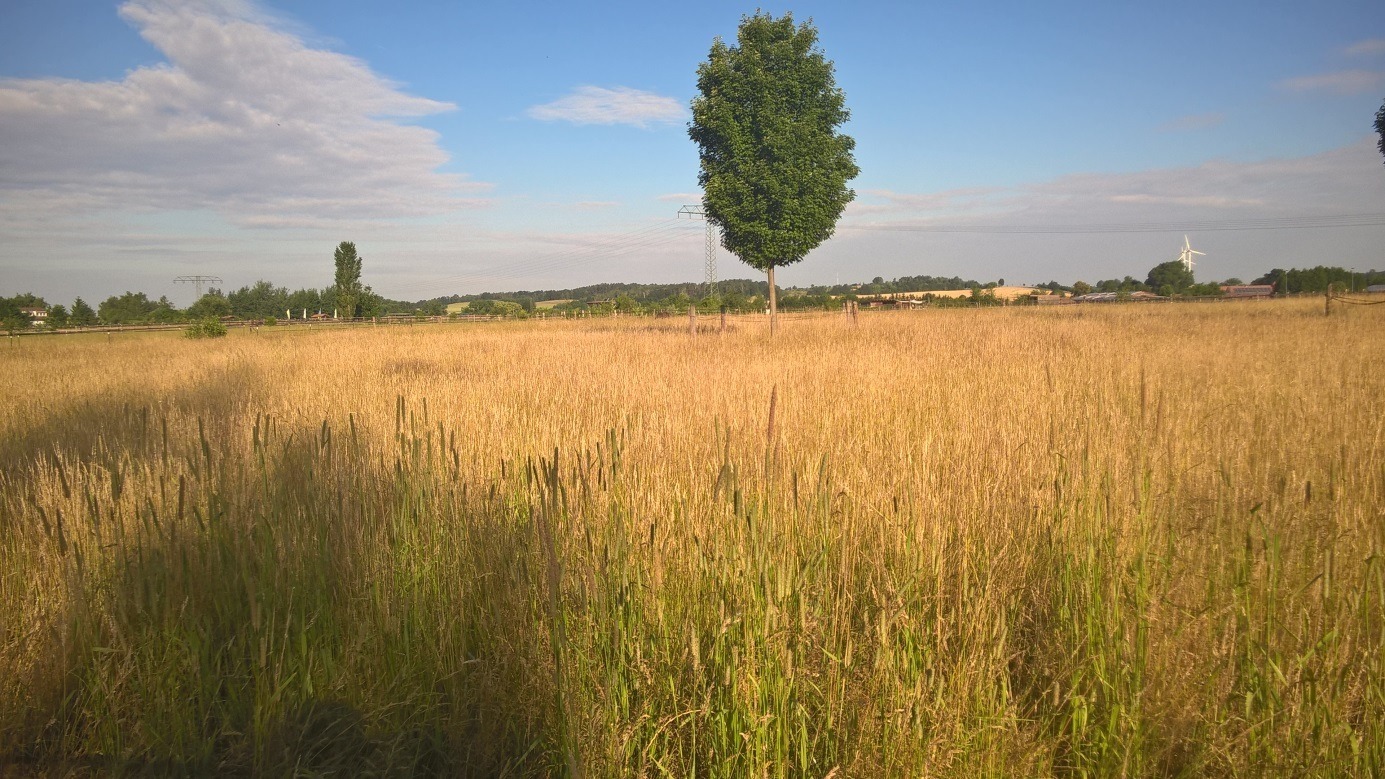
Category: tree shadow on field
<point>284,625</point>
<point>127,422</point>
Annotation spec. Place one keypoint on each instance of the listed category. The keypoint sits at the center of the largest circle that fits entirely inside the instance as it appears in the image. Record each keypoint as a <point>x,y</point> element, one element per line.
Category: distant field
<point>1101,541</point>
<point>453,308</point>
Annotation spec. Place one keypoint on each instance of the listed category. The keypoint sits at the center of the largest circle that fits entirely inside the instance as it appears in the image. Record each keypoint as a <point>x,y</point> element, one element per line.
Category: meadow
<point>1139,540</point>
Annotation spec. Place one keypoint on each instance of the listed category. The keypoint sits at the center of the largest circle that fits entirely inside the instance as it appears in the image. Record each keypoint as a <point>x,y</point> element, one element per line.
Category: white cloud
<point>595,205</point>
<point>1345,82</point>
<point>1366,48</point>
<point>680,197</point>
<point>1192,122</point>
<point>244,120</point>
<point>619,105</point>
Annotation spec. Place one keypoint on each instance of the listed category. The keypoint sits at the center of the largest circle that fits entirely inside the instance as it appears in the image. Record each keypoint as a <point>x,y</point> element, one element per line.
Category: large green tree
<point>1170,277</point>
<point>57,316</point>
<point>350,293</point>
<point>82,314</point>
<point>132,308</point>
<point>213,305</point>
<point>775,166</point>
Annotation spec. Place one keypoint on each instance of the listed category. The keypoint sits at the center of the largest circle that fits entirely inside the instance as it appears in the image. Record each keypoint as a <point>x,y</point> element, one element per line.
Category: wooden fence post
<point>723,319</point>
<point>692,320</point>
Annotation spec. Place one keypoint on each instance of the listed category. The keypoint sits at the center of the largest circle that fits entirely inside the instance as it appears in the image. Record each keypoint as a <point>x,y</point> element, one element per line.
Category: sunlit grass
<point>1127,540</point>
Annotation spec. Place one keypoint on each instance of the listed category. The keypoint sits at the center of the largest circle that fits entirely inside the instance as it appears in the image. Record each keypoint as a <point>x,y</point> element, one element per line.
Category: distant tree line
<point>263,300</point>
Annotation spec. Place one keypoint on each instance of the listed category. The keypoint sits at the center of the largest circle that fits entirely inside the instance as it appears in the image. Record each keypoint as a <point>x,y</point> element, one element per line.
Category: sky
<point>468,147</point>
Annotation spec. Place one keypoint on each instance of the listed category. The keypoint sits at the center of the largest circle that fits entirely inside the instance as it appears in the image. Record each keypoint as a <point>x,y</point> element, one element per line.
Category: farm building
<point>1112,297</point>
<point>1247,290</point>
<point>1000,293</point>
<point>37,316</point>
<point>894,303</point>
<point>1376,288</point>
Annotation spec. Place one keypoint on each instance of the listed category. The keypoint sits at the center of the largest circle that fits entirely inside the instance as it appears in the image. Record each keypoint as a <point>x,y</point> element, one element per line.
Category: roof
<point>1247,290</point>
<point>1111,297</point>
<point>1003,293</point>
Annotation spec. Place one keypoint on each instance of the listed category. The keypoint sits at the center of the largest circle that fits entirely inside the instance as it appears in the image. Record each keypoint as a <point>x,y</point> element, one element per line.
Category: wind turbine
<point>1186,256</point>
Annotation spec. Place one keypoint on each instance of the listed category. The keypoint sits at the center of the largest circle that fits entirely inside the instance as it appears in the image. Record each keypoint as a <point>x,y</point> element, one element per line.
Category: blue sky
<point>468,147</point>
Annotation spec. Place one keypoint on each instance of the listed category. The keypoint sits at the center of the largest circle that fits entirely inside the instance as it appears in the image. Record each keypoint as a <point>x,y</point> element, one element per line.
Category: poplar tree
<point>774,165</point>
<point>348,279</point>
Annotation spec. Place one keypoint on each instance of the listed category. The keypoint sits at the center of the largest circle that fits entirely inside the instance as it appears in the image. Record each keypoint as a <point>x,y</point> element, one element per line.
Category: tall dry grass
<point>1092,541</point>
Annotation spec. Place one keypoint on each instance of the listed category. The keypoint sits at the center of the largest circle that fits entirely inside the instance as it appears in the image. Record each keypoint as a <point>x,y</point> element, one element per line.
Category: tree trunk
<point>773,304</point>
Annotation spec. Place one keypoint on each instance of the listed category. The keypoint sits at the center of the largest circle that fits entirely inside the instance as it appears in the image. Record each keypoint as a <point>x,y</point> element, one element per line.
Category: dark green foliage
<point>24,300</point>
<point>350,294</point>
<point>12,316</point>
<point>15,322</point>
<point>1209,289</point>
<point>1317,278</point>
<point>1172,276</point>
<point>164,313</point>
<point>774,168</point>
<point>57,316</point>
<point>312,301</point>
<point>258,301</point>
<point>210,327</point>
<point>1128,284</point>
<point>213,304</point>
<point>131,308</point>
<point>82,314</point>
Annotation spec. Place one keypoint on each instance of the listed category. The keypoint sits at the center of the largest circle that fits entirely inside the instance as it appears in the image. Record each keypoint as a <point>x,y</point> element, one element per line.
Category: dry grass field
<point>1088,541</point>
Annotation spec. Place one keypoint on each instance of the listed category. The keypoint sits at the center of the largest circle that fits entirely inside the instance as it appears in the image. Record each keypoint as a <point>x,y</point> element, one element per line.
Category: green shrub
<point>207,328</point>
<point>270,321</point>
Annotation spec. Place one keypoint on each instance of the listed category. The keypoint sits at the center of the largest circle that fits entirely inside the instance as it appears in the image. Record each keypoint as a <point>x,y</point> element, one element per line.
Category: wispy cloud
<point>595,205</point>
<point>1192,122</point>
<point>618,105</point>
<point>1366,48</point>
<point>680,197</point>
<point>1334,182</point>
<point>244,120</point>
<point>1345,82</point>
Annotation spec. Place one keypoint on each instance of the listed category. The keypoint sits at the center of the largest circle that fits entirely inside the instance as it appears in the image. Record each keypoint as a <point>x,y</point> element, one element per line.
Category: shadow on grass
<point>292,619</point>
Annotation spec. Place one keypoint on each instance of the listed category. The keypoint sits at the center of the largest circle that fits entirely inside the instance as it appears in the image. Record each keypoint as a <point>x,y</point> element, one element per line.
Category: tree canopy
<point>774,167</point>
<point>350,293</point>
<point>1170,277</point>
<point>82,314</point>
<point>127,309</point>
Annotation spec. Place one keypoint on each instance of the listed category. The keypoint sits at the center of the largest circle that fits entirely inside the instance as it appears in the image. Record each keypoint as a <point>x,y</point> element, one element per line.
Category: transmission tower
<point>710,264</point>
<point>198,282</point>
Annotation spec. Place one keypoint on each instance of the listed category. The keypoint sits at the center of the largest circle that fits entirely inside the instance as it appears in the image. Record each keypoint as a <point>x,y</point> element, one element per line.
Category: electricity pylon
<point>197,282</point>
<point>710,264</point>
